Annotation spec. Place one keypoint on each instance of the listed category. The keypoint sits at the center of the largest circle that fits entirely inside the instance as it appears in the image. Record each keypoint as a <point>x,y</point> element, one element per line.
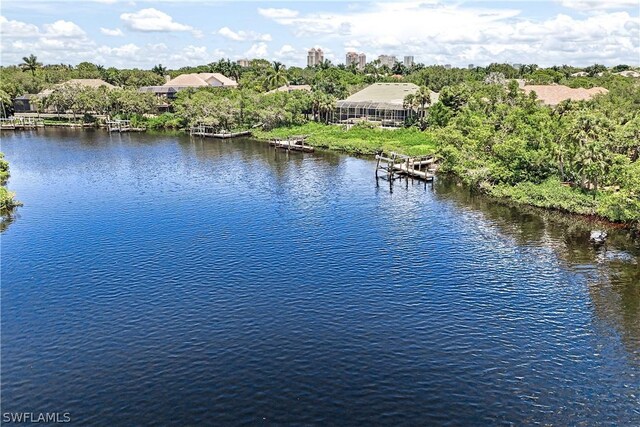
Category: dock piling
<point>397,165</point>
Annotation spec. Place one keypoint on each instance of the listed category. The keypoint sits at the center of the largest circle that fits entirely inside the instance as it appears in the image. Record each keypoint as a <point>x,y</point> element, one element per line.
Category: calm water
<point>154,278</point>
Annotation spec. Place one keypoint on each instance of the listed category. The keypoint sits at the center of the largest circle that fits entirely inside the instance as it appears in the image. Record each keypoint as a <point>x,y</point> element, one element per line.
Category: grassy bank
<point>357,140</point>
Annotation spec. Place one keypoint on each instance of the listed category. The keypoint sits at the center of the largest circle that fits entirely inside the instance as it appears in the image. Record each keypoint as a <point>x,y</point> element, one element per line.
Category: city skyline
<point>144,33</point>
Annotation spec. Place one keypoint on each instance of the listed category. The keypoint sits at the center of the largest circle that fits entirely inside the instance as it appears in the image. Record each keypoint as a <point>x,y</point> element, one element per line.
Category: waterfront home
<point>379,102</point>
<point>184,81</point>
<point>26,103</point>
<point>555,94</point>
<point>201,80</point>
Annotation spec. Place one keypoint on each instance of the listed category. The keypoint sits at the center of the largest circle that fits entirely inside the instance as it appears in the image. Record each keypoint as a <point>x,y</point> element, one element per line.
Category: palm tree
<point>322,105</point>
<point>423,98</point>
<point>276,76</point>
<point>325,65</point>
<point>102,71</point>
<point>326,104</point>
<point>589,135</point>
<point>159,69</point>
<point>371,68</point>
<point>234,71</point>
<point>5,100</point>
<point>352,68</point>
<point>592,163</point>
<point>419,100</point>
<point>631,136</point>
<point>30,63</point>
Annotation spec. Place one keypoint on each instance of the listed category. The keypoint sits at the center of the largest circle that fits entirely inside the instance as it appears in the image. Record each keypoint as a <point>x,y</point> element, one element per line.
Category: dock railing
<point>396,165</point>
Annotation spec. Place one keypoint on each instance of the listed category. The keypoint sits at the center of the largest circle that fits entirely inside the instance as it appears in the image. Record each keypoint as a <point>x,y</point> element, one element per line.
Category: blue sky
<point>143,33</point>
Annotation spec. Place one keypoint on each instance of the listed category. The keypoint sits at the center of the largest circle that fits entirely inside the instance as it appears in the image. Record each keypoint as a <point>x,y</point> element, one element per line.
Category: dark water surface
<point>154,278</point>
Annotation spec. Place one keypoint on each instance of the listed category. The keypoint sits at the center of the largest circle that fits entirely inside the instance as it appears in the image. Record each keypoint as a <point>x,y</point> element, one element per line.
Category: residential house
<point>27,102</point>
<point>379,102</point>
<point>555,94</point>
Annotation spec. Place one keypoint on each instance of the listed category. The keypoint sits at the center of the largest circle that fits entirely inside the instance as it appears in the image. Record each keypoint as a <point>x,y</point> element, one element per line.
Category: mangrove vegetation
<point>576,156</point>
<point>7,198</point>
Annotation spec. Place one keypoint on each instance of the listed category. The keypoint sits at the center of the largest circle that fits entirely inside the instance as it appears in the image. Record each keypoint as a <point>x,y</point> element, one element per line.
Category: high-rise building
<point>447,66</point>
<point>362,61</point>
<point>388,60</point>
<point>314,57</point>
<point>243,62</point>
<point>471,66</point>
<point>351,59</point>
<point>357,59</point>
<point>408,61</point>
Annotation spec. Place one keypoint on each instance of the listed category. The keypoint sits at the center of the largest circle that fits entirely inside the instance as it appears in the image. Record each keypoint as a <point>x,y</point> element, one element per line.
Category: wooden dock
<point>212,132</point>
<point>19,123</point>
<point>122,126</point>
<point>394,164</point>
<point>294,143</point>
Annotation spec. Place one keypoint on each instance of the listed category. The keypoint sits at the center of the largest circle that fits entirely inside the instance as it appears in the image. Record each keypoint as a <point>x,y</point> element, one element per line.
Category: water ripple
<point>163,280</point>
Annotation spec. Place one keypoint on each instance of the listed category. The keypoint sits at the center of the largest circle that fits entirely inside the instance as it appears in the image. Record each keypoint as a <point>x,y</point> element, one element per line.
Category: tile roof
<point>384,92</point>
<point>201,80</point>
<point>383,96</point>
<point>555,94</point>
<point>94,83</point>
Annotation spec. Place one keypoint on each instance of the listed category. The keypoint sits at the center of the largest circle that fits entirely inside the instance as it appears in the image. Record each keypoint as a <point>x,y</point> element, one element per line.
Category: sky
<point>143,33</point>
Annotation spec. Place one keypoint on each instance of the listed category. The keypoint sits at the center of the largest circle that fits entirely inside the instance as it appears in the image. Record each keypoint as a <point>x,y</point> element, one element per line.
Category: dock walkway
<point>296,143</point>
<point>421,167</point>
<point>19,123</point>
<point>122,126</point>
<point>212,132</point>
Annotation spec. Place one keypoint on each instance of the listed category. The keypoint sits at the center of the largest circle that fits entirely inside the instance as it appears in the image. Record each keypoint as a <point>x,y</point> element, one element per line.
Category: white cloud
<point>53,42</point>
<point>243,35</point>
<point>591,5</point>
<point>128,51</point>
<point>194,55</point>
<point>228,33</point>
<point>154,47</point>
<point>274,13</point>
<point>113,33</point>
<point>64,41</point>
<point>152,20</point>
<point>289,53</point>
<point>196,52</point>
<point>63,28</point>
<point>433,31</point>
<point>257,50</point>
<point>12,28</point>
<point>459,33</point>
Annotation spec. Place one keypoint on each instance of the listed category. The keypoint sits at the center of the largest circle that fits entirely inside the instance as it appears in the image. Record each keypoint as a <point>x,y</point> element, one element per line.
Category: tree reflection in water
<point>612,271</point>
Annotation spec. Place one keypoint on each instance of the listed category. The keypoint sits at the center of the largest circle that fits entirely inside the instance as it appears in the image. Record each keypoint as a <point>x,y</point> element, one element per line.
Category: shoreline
<point>264,136</point>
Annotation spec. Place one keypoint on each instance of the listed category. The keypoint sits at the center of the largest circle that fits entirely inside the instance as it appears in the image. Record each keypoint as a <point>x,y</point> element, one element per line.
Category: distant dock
<point>122,126</point>
<point>296,143</point>
<point>393,164</point>
<point>19,123</point>
<point>212,132</point>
